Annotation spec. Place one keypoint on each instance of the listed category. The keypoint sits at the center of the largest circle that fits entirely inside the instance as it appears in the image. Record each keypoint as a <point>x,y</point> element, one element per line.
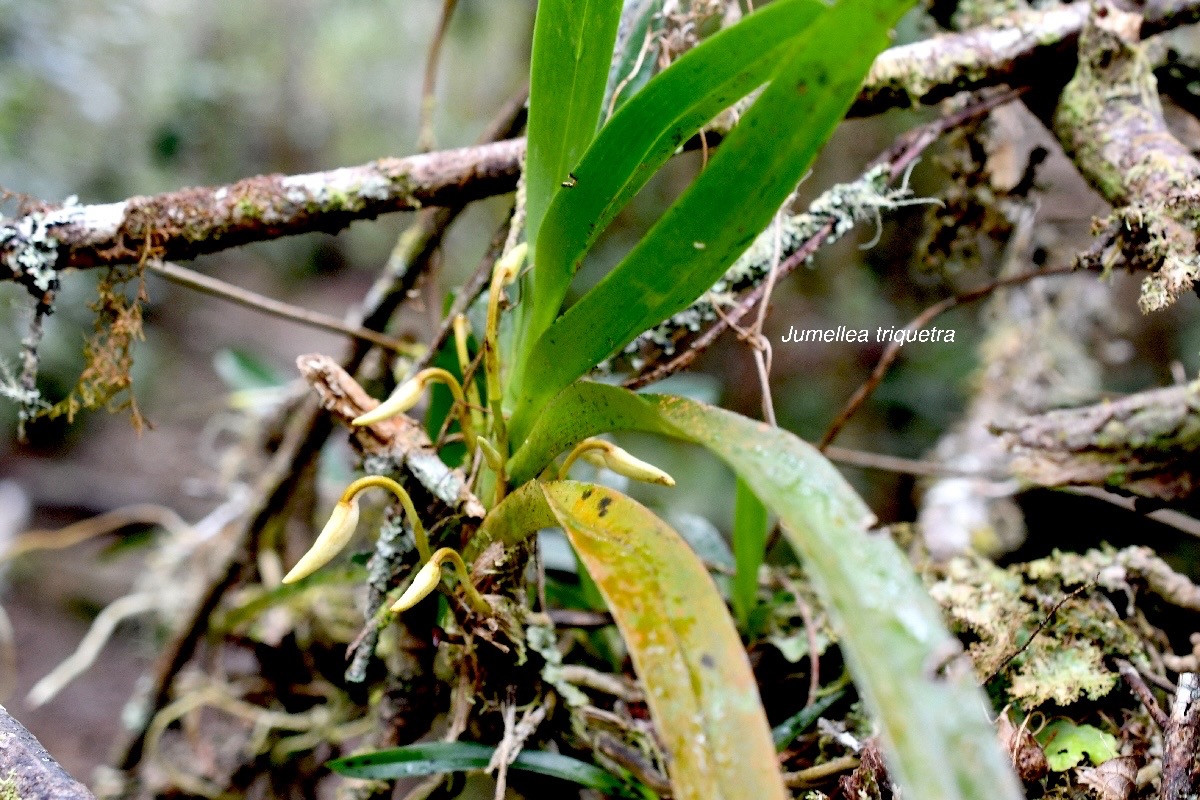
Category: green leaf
<point>432,758</point>
<point>581,410</point>
<point>1066,744</point>
<point>750,529</point>
<point>572,51</point>
<point>940,742</point>
<point>724,209</point>
<point>647,131</point>
<point>685,648</point>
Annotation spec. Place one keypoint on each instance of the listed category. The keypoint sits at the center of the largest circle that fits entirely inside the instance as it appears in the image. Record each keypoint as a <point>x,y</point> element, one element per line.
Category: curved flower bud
<point>334,537</point>
<point>344,519</point>
<point>406,396</point>
<point>426,580</point>
<point>608,455</point>
<point>430,575</point>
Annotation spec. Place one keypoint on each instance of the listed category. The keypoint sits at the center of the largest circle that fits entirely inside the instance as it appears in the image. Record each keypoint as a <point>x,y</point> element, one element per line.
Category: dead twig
<point>1139,688</point>
<point>276,308</point>
<point>1180,737</point>
<point>425,141</point>
<point>820,774</point>
<point>1041,626</point>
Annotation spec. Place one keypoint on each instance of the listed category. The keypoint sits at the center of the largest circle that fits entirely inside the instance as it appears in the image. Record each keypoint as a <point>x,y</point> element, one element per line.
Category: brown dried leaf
<point>1115,779</point>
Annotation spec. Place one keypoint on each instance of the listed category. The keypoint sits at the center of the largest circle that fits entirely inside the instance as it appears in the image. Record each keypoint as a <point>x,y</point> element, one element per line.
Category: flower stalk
<point>462,333</point>
<point>505,272</point>
<point>408,394</point>
<point>340,528</point>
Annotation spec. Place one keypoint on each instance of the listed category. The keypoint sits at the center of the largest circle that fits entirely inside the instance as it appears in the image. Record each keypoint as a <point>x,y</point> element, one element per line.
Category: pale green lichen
<point>9,788</point>
<point>1043,659</point>
<point>30,251</point>
<point>247,209</point>
<point>1062,675</point>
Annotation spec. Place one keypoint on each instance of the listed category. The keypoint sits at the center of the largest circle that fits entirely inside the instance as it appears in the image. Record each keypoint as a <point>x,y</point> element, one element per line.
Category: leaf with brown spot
<point>936,735</point>
<point>685,647</point>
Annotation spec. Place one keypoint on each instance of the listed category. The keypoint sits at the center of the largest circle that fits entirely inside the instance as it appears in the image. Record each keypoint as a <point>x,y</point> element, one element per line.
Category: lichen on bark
<point>1110,121</point>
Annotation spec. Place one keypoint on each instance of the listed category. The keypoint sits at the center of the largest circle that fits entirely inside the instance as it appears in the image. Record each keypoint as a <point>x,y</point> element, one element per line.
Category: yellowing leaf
<point>699,686</point>
<point>905,664</point>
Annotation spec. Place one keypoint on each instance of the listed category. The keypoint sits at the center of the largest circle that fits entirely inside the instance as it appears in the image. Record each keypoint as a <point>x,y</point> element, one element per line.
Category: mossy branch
<point>190,222</point>
<point>1026,49</point>
<point>1146,443</point>
<point>1110,122</point>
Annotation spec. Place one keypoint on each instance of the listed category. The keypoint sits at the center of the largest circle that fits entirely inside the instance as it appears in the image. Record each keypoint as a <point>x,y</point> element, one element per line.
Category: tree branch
<point>276,308</point>
<point>1017,50</point>
<point>191,222</point>
<point>1145,442</point>
<point>1110,122</point>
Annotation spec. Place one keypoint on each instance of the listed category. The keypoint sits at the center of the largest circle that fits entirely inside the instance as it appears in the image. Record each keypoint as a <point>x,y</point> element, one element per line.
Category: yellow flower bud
<point>490,454</point>
<point>430,575</point>
<point>342,522</point>
<point>406,396</point>
<point>623,463</point>
<point>508,267</point>
<point>334,537</point>
<point>608,455</point>
<point>427,579</point>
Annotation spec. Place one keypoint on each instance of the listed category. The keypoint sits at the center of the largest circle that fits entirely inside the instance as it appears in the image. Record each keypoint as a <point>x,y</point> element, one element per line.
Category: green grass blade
<point>572,52</point>
<point>936,732</point>
<point>433,758</point>
<point>726,207</point>
<point>686,650</point>
<point>750,529</point>
<point>647,130</point>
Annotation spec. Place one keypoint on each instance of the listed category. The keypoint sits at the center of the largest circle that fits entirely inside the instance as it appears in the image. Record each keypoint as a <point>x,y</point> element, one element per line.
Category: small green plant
<point>809,60</point>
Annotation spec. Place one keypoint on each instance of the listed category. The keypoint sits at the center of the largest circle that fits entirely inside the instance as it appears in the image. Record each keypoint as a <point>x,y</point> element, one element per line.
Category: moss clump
<point>1045,628</point>
<point>109,353</point>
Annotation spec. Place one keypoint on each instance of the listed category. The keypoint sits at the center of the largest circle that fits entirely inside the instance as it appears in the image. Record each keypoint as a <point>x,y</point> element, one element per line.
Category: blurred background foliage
<point>108,99</point>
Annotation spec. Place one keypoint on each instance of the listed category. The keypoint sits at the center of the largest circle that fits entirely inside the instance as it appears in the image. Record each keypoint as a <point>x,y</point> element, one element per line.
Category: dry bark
<point>1145,444</point>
